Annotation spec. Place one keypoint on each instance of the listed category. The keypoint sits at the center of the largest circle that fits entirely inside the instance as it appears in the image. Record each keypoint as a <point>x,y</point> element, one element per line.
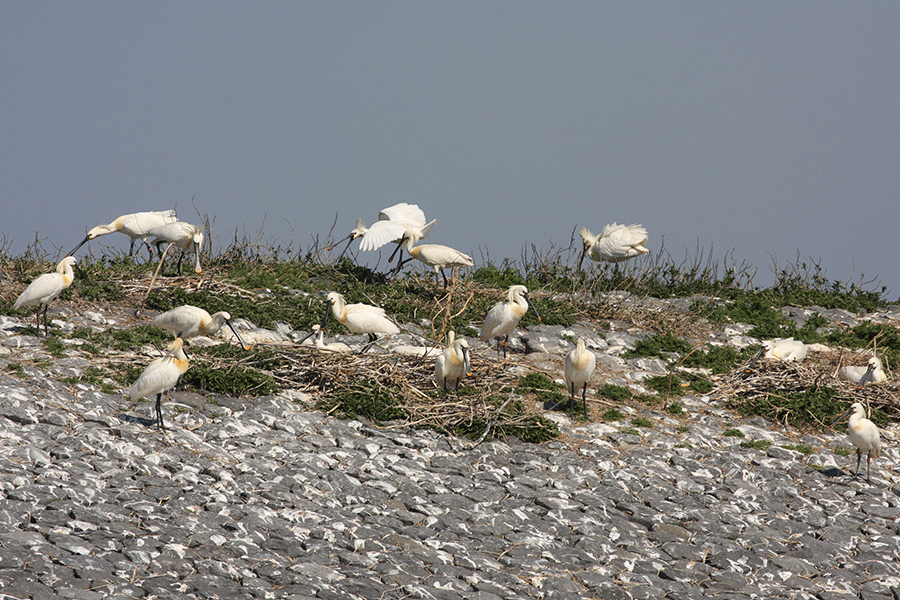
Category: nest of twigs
<point>771,380</point>
<point>403,394</point>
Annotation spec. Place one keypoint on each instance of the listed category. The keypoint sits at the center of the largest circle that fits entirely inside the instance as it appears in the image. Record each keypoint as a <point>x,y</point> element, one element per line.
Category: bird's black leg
<point>159,419</point>
<point>858,457</point>
<point>178,266</point>
<point>571,400</point>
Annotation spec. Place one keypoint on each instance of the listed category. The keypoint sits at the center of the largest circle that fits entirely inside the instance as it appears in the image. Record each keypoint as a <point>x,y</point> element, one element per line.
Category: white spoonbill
<point>453,364</point>
<point>183,235</point>
<point>160,376</point>
<point>188,321</point>
<point>505,315</point>
<point>136,226</point>
<point>580,364</point>
<point>434,255</point>
<point>786,349</point>
<point>43,290</point>
<point>614,244</point>
<point>320,341</point>
<point>864,435</point>
<point>357,232</point>
<point>392,223</point>
<point>359,318</point>
<point>871,373</point>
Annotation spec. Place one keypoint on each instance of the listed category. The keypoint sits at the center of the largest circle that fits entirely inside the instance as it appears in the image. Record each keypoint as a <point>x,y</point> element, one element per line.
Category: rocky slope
<point>265,497</point>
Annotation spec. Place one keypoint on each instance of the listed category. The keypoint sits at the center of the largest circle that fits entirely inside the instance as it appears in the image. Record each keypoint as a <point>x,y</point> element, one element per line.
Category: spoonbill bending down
<point>505,315</point>
<point>864,435</point>
<point>871,373</point>
<point>43,290</point>
<point>359,318</point>
<point>183,235</point>
<point>320,341</point>
<point>614,244</point>
<point>580,364</point>
<point>434,255</point>
<point>137,226</point>
<point>188,321</point>
<point>453,364</point>
<point>160,376</point>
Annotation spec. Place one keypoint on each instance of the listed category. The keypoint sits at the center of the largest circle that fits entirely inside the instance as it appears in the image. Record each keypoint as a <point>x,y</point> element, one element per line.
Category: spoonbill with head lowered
<point>160,376</point>
<point>453,364</point>
<point>359,318</point>
<point>864,435</point>
<point>434,255</point>
<point>43,290</point>
<point>136,226</point>
<point>320,341</point>
<point>615,243</point>
<point>580,364</point>
<point>188,321</point>
<point>505,315</point>
<point>183,236</point>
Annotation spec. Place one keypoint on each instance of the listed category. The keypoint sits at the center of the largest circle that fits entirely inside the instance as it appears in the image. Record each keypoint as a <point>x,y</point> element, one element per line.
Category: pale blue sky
<point>770,129</point>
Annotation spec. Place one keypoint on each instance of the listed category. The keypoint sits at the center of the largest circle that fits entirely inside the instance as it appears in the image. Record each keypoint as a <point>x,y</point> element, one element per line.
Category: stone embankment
<point>267,498</point>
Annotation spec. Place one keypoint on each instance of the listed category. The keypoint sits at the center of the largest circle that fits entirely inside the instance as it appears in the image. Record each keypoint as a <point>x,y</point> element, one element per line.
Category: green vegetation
<point>271,285</point>
<point>612,415</point>
<point>756,444</point>
<point>733,433</point>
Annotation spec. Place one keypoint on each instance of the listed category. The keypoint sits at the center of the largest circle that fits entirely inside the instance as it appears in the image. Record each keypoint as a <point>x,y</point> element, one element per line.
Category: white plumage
<point>183,236</point>
<point>615,243</point>
<point>434,255</point>
<point>453,364</point>
<point>392,223</point>
<point>786,349</point>
<point>505,315</point>
<point>359,318</point>
<point>871,373</point>
<point>136,226</point>
<point>580,364</point>
<point>43,290</point>
<point>188,321</point>
<point>320,341</point>
<point>160,376</point>
<point>864,435</point>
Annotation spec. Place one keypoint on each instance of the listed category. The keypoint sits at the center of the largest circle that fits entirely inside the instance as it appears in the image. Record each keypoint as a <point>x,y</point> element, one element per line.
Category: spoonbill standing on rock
<point>871,373</point>
<point>615,243</point>
<point>453,364</point>
<point>864,435</point>
<point>183,235</point>
<point>160,376</point>
<point>505,315</point>
<point>188,321</point>
<point>359,318</point>
<point>434,255</point>
<point>137,226</point>
<point>580,364</point>
<point>43,290</point>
